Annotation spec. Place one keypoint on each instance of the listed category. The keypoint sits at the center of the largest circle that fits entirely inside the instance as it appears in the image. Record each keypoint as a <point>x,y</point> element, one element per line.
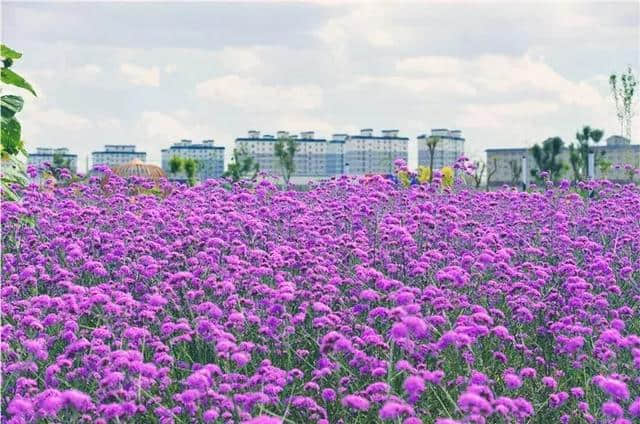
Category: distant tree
<point>623,90</point>
<point>516,171</point>
<point>547,158</point>
<point>604,165</point>
<point>432,143</point>
<point>190,167</point>
<point>241,166</point>
<point>579,157</point>
<point>285,149</point>
<point>59,163</point>
<point>175,164</point>
<point>491,170</point>
<point>478,172</point>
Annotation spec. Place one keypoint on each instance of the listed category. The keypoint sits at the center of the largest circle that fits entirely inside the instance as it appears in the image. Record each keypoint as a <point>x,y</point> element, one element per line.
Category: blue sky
<point>151,73</point>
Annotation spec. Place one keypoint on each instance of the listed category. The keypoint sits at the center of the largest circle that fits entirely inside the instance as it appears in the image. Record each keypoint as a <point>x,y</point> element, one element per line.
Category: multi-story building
<point>617,150</point>
<point>369,154</point>
<point>209,159</point>
<point>449,148</point>
<point>335,155</point>
<point>310,159</point>
<point>117,154</point>
<point>47,154</point>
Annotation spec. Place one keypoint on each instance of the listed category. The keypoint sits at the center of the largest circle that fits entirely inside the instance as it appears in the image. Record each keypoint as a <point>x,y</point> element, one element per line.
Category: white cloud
<point>87,73</point>
<point>109,123</point>
<point>499,115</point>
<point>239,59</point>
<point>436,85</point>
<point>58,118</point>
<point>139,75</point>
<point>369,22</point>
<point>493,75</point>
<point>249,93</point>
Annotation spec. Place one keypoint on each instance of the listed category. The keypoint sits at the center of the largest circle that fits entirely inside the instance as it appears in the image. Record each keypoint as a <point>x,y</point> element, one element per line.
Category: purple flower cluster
<point>356,301</point>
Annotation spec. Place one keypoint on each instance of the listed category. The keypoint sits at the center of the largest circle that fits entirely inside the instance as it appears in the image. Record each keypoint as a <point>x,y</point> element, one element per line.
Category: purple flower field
<point>357,301</point>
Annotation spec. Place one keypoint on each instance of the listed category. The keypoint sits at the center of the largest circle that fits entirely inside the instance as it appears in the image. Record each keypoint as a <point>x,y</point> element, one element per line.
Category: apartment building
<point>209,158</point>
<point>47,154</point>
<point>367,153</point>
<point>117,154</point>
<point>449,148</point>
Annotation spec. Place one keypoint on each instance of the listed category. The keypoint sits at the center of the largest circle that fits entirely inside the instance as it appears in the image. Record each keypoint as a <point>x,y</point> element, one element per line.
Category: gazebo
<point>137,168</point>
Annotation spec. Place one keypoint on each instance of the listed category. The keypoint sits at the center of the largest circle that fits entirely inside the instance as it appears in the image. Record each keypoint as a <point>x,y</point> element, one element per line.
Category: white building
<point>449,148</point>
<point>117,154</point>
<point>46,154</point>
<point>310,158</point>
<point>335,155</point>
<point>209,158</point>
<point>369,154</point>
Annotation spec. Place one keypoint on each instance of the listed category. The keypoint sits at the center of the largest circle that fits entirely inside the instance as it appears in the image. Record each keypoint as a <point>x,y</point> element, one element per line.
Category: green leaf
<point>10,133</point>
<point>7,193</point>
<point>10,77</point>
<point>9,53</point>
<point>11,105</point>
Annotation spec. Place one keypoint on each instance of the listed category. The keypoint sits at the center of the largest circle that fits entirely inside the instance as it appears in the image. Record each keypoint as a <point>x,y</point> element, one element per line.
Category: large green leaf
<point>10,77</point>
<point>10,133</point>
<point>11,105</point>
<point>9,53</point>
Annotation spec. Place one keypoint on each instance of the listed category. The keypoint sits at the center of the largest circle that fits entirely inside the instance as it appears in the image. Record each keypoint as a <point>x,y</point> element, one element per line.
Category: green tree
<point>59,163</point>
<point>190,167</point>
<point>12,145</point>
<point>432,143</point>
<point>547,158</point>
<point>623,90</point>
<point>579,155</point>
<point>604,164</point>
<point>241,166</point>
<point>175,164</point>
<point>285,149</point>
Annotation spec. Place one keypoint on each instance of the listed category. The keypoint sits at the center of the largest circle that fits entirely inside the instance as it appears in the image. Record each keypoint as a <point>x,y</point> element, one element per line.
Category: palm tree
<point>432,143</point>
<point>587,133</point>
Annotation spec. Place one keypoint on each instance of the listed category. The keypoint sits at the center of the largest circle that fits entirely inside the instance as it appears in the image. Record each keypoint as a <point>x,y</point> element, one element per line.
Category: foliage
<point>285,150</point>
<point>175,164</point>
<point>357,301</point>
<point>190,167</point>
<point>12,146</point>
<point>579,155</point>
<point>242,165</point>
<point>623,90</point>
<point>604,165</point>
<point>547,159</point>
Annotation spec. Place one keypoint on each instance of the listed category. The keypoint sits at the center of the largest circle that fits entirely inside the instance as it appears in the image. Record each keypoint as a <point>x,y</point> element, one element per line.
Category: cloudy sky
<point>151,73</point>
